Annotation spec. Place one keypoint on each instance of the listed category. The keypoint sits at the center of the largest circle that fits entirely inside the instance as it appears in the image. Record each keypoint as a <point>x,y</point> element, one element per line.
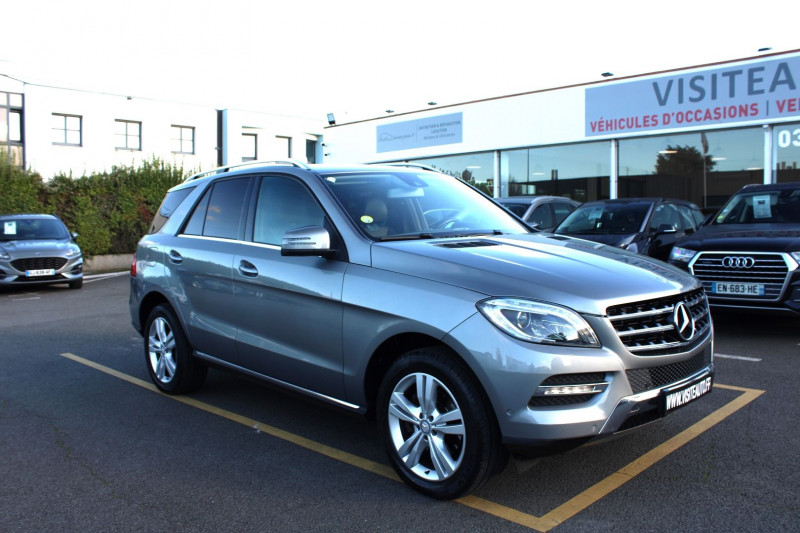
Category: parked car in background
<point>37,249</point>
<point>747,256</point>
<point>540,212</point>
<point>649,226</point>
<point>408,295</point>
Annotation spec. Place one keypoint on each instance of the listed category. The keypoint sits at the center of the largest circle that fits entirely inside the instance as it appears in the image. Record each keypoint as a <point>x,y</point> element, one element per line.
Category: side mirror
<point>307,241</point>
<point>74,236</point>
<point>663,229</point>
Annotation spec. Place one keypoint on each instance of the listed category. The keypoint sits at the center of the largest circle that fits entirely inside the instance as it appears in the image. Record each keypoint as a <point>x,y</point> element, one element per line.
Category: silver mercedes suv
<point>407,295</point>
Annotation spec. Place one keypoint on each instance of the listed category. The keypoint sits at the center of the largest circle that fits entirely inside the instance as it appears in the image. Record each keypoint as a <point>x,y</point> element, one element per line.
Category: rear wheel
<point>170,363</point>
<point>437,428</point>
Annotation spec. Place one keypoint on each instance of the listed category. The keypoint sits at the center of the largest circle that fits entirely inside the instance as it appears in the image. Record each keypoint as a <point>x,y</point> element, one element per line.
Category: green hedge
<point>109,211</point>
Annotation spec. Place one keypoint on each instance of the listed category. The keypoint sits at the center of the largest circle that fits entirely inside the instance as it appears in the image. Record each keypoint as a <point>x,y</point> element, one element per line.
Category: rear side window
<point>220,212</point>
<point>168,206</point>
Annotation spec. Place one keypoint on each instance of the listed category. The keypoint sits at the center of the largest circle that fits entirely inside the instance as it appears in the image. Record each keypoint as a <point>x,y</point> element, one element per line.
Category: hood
<point>749,237</point>
<point>578,274</point>
<point>33,248</point>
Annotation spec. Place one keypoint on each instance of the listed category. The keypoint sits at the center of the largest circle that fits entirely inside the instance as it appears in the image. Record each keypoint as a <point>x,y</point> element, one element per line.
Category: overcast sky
<point>358,58</point>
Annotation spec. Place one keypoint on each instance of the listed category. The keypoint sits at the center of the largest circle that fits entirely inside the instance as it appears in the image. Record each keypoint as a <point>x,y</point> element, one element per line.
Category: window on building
<point>249,146</point>
<point>67,129</point>
<point>12,145</point>
<point>577,171</point>
<point>128,134</point>
<point>311,151</point>
<point>475,169</point>
<point>703,167</point>
<point>182,140</point>
<point>786,147</point>
<point>284,145</point>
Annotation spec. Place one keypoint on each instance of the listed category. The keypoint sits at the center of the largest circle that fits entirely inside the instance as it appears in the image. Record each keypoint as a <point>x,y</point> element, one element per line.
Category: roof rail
<point>411,165</point>
<point>227,168</point>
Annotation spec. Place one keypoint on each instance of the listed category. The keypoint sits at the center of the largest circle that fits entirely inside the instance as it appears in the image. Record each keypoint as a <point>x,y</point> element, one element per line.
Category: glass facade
<point>704,167</point>
<point>579,171</point>
<point>475,169</point>
<point>786,150</point>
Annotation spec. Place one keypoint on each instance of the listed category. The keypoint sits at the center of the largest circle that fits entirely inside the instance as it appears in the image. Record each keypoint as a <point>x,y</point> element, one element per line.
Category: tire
<point>77,284</point>
<point>168,354</point>
<point>447,443</point>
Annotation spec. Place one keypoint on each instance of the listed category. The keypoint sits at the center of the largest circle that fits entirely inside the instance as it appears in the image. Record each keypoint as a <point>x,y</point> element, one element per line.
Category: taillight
<point>133,266</point>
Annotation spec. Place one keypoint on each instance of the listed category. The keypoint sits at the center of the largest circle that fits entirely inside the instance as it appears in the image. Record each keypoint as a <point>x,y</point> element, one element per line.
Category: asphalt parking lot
<point>89,445</point>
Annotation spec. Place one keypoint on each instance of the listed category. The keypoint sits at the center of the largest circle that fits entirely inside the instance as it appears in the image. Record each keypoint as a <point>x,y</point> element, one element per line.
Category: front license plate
<point>686,394</point>
<point>742,289</point>
<point>40,272</point>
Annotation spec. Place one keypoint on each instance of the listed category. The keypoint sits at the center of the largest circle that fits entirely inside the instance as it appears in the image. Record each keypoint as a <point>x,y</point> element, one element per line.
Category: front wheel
<point>437,428</point>
<point>169,358</point>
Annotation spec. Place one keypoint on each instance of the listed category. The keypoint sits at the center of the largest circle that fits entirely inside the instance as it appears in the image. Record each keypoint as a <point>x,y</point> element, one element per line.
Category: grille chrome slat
<point>646,328</point>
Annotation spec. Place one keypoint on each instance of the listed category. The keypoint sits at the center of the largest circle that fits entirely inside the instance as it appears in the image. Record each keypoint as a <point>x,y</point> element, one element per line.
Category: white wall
<point>547,117</point>
<point>99,151</point>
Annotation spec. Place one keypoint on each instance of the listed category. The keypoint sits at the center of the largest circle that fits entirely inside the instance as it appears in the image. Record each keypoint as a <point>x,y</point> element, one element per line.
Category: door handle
<point>175,257</point>
<point>248,269</point>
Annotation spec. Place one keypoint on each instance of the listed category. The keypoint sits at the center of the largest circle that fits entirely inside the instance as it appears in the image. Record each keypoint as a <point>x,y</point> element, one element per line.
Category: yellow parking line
<point>544,523</point>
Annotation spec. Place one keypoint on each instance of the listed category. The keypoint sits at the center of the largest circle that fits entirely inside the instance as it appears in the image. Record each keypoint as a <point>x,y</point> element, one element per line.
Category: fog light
<point>564,390</point>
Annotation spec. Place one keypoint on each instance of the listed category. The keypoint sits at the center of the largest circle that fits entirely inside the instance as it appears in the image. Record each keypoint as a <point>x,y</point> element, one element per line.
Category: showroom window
<point>704,167</point>
<point>786,146</point>
<point>128,134</point>
<point>577,171</point>
<point>67,129</point>
<point>182,139</point>
<point>475,169</point>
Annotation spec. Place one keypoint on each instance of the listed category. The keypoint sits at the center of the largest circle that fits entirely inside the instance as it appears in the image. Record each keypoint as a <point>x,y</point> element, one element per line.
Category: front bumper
<point>633,389</point>
<point>70,271</point>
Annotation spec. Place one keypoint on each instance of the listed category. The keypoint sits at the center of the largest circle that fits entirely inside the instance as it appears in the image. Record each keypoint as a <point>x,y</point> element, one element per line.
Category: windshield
<point>775,207</point>
<point>605,219</point>
<point>397,205</point>
<point>19,229</point>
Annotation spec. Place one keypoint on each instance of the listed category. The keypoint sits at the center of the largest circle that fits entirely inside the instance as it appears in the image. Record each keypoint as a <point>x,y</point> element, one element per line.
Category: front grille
<point>644,379</point>
<point>584,378</point>
<point>648,328</point>
<point>769,270</point>
<point>38,263</point>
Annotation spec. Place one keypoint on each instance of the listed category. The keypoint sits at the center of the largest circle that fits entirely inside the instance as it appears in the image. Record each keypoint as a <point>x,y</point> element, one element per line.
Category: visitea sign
<point>433,131</point>
<point>754,91</point>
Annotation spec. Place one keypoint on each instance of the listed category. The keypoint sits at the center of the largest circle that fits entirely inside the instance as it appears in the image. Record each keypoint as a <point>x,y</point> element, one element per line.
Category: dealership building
<point>698,133</point>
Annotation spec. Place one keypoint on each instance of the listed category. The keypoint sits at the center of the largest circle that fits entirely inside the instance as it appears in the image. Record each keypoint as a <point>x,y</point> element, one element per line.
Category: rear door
<point>200,260</point>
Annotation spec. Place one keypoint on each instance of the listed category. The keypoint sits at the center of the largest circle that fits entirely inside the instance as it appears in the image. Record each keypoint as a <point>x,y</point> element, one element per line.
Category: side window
<point>562,210</point>
<point>541,217</point>
<point>219,213</point>
<point>665,214</point>
<point>168,206</point>
<point>689,217</point>
<point>283,204</point>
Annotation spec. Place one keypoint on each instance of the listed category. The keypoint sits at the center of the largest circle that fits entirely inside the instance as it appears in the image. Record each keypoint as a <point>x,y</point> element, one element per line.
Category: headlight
<point>539,322</point>
<point>5,256</point>
<point>682,255</point>
<point>73,251</point>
